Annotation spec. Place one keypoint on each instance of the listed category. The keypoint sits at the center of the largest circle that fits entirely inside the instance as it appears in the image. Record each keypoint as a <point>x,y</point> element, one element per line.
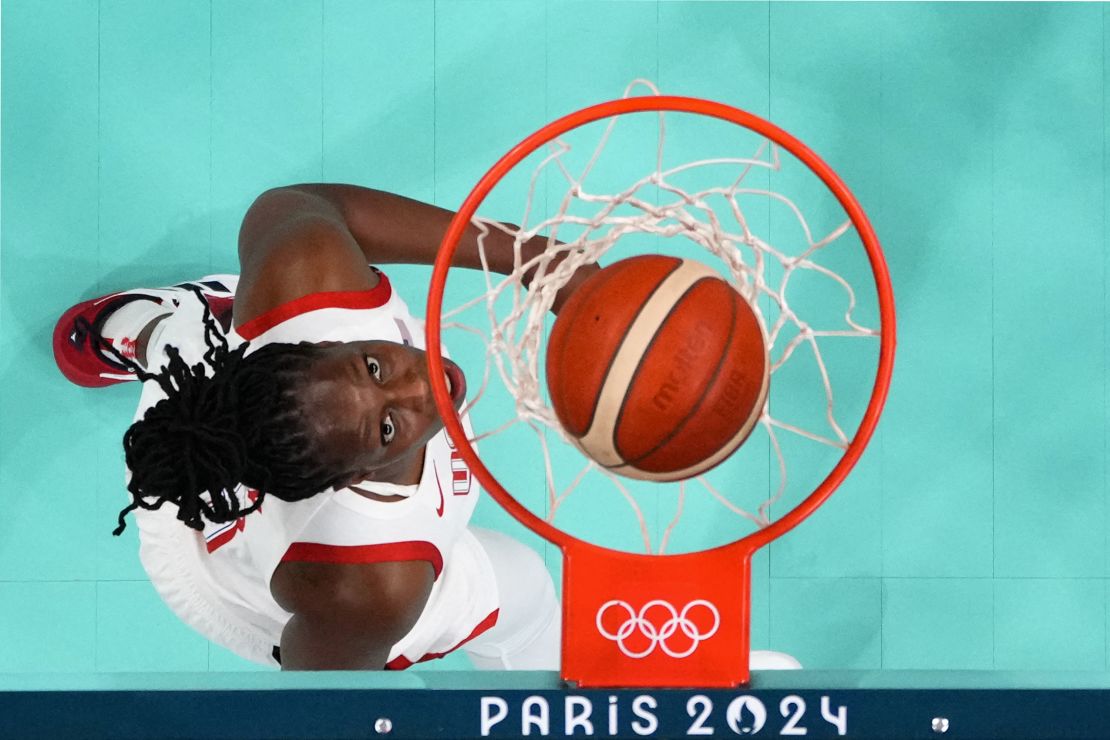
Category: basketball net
<point>642,619</point>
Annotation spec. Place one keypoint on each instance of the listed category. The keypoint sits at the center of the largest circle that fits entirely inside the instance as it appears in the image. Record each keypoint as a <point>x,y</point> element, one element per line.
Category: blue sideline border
<point>873,705</point>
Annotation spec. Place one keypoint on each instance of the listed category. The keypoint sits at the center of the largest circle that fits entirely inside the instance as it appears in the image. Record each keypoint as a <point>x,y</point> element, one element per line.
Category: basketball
<point>657,368</point>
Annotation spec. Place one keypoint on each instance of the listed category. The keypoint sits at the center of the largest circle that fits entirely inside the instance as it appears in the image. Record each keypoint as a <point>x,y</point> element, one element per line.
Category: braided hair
<point>241,423</point>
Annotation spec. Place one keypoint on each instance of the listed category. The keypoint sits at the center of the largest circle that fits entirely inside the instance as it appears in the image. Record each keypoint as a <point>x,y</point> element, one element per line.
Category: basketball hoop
<point>634,619</point>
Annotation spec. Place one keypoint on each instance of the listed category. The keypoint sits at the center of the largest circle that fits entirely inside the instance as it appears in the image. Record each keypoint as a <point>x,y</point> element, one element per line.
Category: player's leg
<point>529,625</point>
<point>127,320</point>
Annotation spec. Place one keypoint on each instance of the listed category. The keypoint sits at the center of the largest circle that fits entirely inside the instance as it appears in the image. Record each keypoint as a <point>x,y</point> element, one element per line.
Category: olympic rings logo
<point>657,636</point>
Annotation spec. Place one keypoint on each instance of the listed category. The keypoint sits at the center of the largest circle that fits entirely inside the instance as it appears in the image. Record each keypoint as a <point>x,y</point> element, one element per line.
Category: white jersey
<point>218,581</point>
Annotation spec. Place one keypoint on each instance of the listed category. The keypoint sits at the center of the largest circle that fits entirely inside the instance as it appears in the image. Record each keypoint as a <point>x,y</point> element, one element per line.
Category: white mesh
<point>762,273</point>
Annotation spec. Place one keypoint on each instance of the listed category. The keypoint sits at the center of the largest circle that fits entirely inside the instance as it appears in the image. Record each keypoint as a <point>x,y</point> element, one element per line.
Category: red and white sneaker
<point>77,349</point>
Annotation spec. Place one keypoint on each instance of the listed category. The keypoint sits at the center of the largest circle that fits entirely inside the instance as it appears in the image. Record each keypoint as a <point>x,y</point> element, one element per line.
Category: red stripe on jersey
<point>400,663</point>
<point>225,536</point>
<point>314,552</point>
<point>373,298</point>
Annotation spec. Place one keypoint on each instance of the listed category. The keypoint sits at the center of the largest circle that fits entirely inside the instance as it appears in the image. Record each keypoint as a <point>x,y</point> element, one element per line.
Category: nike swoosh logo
<point>439,509</point>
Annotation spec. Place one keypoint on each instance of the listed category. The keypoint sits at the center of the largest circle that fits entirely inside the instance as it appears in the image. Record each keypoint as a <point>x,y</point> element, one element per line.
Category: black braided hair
<point>241,423</point>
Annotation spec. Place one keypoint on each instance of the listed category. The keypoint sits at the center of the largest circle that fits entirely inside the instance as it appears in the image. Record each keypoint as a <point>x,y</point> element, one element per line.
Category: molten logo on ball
<point>657,368</point>
<point>685,359</point>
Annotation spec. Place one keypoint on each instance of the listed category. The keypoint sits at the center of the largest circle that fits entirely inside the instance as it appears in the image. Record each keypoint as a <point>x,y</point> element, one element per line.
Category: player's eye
<point>389,431</point>
<point>374,367</point>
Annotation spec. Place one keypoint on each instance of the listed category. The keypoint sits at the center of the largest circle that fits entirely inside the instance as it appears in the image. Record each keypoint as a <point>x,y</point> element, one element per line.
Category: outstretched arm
<point>311,238</point>
<point>391,229</point>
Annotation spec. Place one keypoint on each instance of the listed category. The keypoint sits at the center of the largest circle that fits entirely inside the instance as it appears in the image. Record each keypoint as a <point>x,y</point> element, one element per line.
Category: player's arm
<point>348,617</point>
<point>312,238</point>
<point>392,229</point>
<point>293,244</point>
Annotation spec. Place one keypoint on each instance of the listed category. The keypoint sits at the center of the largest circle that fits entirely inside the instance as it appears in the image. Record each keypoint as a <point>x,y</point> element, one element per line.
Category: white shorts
<point>528,632</point>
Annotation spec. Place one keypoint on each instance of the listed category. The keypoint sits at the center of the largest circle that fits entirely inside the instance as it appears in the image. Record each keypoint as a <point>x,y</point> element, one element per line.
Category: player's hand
<point>584,273</point>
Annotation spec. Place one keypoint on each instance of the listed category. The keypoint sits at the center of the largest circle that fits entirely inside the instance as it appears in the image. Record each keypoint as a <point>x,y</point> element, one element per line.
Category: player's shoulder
<point>293,244</point>
<point>335,316</point>
<point>348,615</point>
<point>383,589</point>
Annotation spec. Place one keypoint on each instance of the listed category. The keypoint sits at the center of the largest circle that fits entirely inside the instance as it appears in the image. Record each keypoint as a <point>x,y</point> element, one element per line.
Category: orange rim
<point>665,103</point>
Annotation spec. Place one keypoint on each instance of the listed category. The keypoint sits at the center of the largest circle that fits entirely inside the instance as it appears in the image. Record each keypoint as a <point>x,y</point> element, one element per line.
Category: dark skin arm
<point>347,617</point>
<point>311,238</point>
<point>307,239</point>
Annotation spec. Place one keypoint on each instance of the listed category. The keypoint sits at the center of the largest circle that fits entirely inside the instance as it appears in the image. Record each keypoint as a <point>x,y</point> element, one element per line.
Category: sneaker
<point>77,349</point>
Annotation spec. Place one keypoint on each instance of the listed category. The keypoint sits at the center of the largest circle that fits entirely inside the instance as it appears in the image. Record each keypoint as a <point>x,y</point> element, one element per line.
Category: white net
<point>734,212</point>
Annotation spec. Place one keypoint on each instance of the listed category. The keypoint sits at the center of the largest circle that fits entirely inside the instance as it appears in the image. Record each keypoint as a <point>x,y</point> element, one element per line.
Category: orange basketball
<point>657,368</point>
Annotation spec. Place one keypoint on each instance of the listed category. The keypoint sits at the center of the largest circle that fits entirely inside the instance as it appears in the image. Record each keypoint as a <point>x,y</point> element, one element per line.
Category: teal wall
<point>973,534</point>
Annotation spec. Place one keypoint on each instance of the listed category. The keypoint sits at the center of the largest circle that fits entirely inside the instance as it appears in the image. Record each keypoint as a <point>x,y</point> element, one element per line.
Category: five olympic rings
<point>657,636</point>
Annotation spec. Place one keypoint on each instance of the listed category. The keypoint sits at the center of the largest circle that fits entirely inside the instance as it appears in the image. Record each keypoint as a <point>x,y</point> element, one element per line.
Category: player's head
<point>287,420</point>
<point>369,405</point>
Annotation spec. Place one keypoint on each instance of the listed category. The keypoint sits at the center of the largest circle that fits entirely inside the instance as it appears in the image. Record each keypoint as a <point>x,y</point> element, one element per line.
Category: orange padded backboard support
<point>648,620</point>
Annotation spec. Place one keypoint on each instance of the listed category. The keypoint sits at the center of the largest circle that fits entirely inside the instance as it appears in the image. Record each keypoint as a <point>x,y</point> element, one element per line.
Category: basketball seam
<point>596,401</point>
<point>701,400</point>
<point>627,357</point>
<point>577,308</point>
<point>722,452</point>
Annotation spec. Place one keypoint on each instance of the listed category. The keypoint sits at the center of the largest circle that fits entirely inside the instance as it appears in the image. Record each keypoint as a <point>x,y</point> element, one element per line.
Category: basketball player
<point>318,515</point>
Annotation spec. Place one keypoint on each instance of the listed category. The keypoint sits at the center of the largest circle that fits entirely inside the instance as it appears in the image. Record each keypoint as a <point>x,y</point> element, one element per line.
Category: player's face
<point>371,405</point>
